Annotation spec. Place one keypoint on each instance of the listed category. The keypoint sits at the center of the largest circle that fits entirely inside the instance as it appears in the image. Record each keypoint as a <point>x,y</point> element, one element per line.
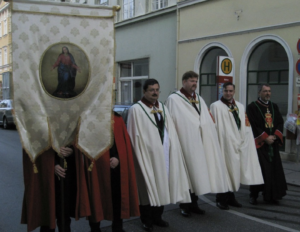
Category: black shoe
<point>147,227</point>
<point>234,203</point>
<point>222,206</point>
<point>161,223</point>
<point>253,201</point>
<point>118,230</point>
<point>197,210</point>
<point>185,212</point>
<point>96,230</point>
<point>275,202</point>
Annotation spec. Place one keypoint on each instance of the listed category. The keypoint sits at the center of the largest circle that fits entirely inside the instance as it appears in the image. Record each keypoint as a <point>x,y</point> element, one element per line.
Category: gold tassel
<point>35,170</point>
<point>91,166</point>
<point>65,164</point>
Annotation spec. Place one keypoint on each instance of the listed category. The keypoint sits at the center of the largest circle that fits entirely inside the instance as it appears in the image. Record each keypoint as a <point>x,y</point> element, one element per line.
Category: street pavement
<point>263,217</point>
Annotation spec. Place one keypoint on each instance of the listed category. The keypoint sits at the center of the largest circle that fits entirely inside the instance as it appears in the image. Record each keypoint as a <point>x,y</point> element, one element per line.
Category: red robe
<point>93,190</point>
<point>39,196</point>
<point>99,179</point>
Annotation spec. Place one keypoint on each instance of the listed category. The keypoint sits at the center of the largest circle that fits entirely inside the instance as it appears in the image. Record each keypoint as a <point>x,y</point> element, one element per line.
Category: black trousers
<point>255,189</point>
<point>46,229</point>
<point>225,197</point>
<point>150,214</point>
<point>193,204</point>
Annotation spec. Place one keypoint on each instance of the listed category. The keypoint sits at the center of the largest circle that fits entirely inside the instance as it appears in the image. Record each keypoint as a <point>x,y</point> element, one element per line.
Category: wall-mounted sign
<point>224,66</point>
<point>298,46</point>
<point>298,66</point>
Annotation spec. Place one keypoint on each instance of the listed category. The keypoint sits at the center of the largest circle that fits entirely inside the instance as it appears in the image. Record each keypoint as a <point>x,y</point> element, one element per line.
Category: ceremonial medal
<point>268,119</point>
<point>193,101</point>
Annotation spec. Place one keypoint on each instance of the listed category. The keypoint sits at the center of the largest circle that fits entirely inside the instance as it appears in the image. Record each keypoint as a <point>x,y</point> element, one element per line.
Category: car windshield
<point>119,109</point>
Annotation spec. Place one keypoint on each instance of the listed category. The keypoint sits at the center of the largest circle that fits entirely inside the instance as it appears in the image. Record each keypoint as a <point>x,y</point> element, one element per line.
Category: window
<point>158,4</point>
<point>128,9</point>
<point>0,29</point>
<point>5,23</point>
<point>132,78</point>
<point>0,58</point>
<point>207,75</point>
<point>101,2</point>
<point>268,64</point>
<point>5,55</point>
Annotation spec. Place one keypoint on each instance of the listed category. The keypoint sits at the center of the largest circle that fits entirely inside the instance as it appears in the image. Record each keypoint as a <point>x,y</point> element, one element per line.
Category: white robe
<point>154,185</point>
<point>237,146</point>
<point>200,145</point>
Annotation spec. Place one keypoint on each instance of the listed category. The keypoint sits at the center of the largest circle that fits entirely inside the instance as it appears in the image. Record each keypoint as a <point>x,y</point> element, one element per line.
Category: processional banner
<point>63,64</point>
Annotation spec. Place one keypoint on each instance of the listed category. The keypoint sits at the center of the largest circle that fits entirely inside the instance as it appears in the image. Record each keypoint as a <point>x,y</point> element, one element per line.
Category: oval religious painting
<point>64,71</point>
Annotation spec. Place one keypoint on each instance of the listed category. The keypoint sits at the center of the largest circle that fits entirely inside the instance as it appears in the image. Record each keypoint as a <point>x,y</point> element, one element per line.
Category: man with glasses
<point>160,168</point>
<point>237,146</point>
<point>267,126</point>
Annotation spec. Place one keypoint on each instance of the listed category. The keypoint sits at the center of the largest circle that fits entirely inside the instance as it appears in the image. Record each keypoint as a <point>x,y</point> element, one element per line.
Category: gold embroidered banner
<point>63,63</point>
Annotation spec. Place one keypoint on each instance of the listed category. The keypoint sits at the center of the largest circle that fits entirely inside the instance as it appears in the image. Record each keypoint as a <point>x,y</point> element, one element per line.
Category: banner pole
<point>62,198</point>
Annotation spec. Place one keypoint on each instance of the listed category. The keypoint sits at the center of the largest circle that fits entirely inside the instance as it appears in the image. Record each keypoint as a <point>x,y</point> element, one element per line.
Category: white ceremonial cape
<point>199,141</point>
<point>154,185</point>
<point>237,146</point>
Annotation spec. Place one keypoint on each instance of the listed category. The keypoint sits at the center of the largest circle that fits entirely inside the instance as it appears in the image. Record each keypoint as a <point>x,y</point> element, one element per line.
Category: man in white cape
<point>159,163</point>
<point>237,145</point>
<point>199,141</point>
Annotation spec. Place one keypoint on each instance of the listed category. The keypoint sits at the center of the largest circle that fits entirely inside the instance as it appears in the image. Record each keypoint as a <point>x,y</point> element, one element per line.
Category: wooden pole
<point>62,198</point>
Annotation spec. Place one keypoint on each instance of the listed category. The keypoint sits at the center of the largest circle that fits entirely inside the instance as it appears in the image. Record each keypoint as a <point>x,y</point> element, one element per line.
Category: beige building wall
<point>238,27</point>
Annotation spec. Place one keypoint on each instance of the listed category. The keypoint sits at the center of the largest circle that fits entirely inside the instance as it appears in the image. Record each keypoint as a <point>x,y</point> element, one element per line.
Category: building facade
<point>5,41</point>
<point>261,37</point>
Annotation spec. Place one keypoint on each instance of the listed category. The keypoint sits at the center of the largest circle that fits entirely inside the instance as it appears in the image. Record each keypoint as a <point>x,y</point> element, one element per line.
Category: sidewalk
<point>292,172</point>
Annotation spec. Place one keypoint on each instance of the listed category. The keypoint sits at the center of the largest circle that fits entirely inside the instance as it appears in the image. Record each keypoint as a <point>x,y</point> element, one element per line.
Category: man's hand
<point>114,162</point>
<point>270,140</point>
<point>59,171</point>
<point>65,151</point>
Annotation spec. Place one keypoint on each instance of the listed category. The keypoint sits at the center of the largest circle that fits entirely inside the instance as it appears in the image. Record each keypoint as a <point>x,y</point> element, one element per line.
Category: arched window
<point>207,75</point>
<point>268,64</point>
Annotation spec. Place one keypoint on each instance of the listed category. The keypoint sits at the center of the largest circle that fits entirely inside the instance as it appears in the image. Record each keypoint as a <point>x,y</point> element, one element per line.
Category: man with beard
<point>199,141</point>
<point>160,168</point>
<point>267,126</point>
<point>237,146</point>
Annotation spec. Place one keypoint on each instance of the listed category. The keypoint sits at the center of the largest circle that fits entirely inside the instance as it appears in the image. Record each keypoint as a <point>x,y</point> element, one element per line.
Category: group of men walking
<point>180,150</point>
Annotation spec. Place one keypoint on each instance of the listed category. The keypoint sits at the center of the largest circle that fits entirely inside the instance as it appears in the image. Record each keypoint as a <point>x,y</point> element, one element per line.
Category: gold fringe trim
<point>61,14</point>
<point>35,170</point>
<point>65,164</point>
<point>91,166</point>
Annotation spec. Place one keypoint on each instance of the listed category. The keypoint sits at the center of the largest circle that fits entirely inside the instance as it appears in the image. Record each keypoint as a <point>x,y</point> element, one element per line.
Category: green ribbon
<point>270,153</point>
<point>161,132</point>
<point>189,101</point>
<point>236,117</point>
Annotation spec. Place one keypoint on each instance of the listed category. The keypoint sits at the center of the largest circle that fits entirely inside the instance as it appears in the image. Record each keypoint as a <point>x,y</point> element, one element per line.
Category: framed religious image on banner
<point>64,71</point>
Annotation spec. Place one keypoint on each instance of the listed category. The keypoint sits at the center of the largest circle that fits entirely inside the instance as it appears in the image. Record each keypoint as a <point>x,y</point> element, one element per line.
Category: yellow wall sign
<point>226,66</point>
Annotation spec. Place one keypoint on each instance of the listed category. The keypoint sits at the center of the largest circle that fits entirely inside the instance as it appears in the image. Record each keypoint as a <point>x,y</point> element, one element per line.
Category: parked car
<point>6,117</point>
<point>122,109</point>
